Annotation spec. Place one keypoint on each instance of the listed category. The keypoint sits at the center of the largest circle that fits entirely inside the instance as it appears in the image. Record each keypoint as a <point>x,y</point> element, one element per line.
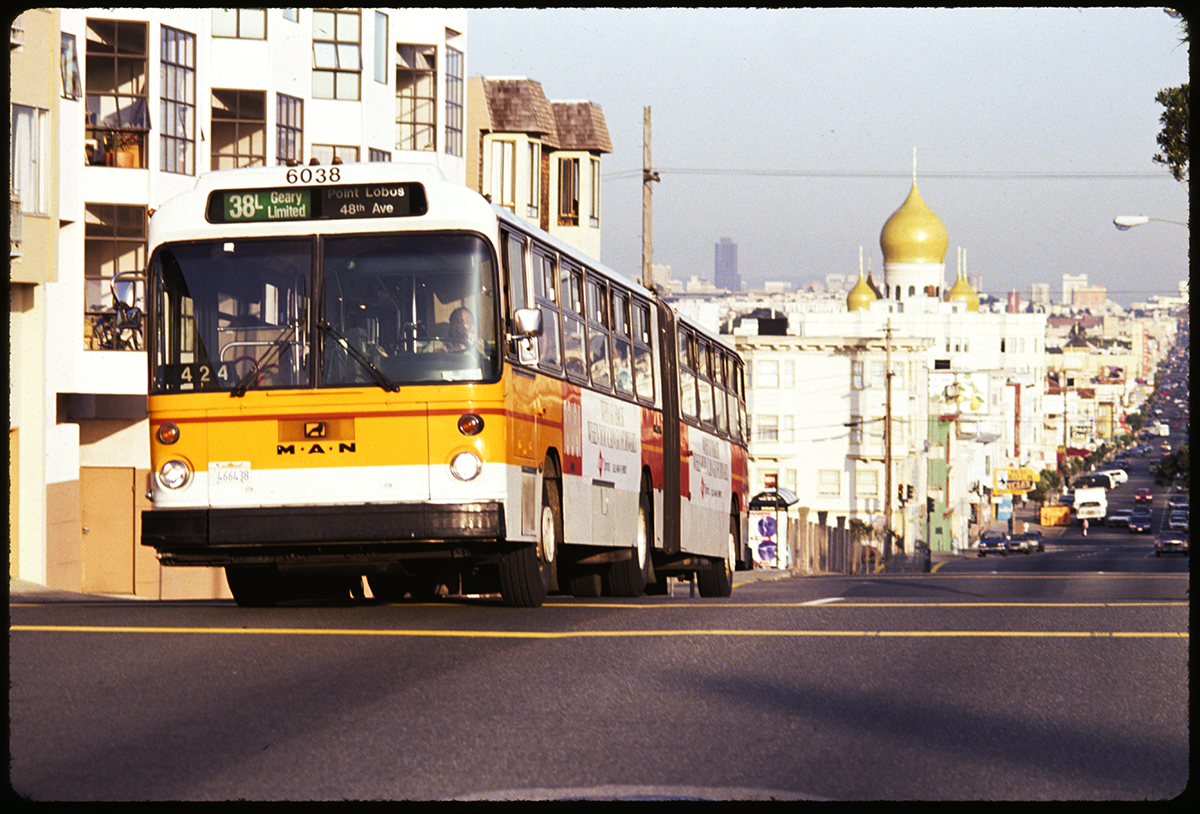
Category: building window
<point>416,97</point>
<point>239,128</point>
<point>866,483</point>
<point>114,257</point>
<point>766,428</point>
<point>856,430</point>
<point>29,168</point>
<point>178,101</point>
<point>454,101</point>
<point>568,192</point>
<point>118,116</point>
<point>378,155</point>
<point>857,374</point>
<point>291,15</point>
<point>533,206</point>
<point>503,184</point>
<point>767,373</point>
<point>289,129</point>
<point>381,47</point>
<point>829,482</point>
<point>69,68</point>
<point>334,153</point>
<point>240,23</point>
<point>337,54</point>
<point>595,214</point>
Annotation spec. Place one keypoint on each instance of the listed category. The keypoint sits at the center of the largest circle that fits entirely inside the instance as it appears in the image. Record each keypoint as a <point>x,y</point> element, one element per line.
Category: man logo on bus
<point>314,429</point>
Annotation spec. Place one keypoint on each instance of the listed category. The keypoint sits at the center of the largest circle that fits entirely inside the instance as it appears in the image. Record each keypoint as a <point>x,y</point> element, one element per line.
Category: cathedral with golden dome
<point>914,242</point>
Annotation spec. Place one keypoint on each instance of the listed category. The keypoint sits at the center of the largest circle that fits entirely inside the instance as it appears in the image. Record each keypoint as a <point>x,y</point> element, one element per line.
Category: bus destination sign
<point>341,202</point>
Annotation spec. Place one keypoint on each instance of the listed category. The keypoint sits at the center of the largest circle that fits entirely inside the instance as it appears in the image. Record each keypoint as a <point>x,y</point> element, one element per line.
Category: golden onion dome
<point>961,291</point>
<point>914,234</point>
<point>861,296</point>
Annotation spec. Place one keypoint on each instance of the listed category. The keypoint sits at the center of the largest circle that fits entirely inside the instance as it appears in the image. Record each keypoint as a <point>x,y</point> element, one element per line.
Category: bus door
<point>669,364</point>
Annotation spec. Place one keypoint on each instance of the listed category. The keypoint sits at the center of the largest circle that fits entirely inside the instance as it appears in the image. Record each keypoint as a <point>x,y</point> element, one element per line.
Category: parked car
<point>1120,518</point>
<point>1118,476</point>
<point>1170,542</point>
<point>1037,541</point>
<point>1067,499</point>
<point>1140,521</point>
<point>1143,495</point>
<point>994,542</point>
<point>1177,502</point>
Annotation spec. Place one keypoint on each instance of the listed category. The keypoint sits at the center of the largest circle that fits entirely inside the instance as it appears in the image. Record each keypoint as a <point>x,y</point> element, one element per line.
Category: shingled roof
<point>581,126</point>
<point>518,105</point>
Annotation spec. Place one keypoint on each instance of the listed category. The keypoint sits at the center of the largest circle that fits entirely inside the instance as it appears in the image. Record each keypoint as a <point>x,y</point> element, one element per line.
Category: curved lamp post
<point>1126,222</point>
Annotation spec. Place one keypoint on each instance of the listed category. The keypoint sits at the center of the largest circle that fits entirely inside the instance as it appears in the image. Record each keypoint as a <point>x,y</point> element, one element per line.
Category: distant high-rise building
<point>725,266</point>
<point>1070,283</point>
<point>1039,294</point>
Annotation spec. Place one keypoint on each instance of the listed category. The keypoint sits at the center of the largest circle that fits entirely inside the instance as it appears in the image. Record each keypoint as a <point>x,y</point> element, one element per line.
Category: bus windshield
<point>392,310</point>
<point>420,307</point>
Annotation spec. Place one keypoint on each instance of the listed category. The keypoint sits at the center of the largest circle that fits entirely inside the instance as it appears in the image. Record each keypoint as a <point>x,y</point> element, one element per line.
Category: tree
<point>1173,139</point>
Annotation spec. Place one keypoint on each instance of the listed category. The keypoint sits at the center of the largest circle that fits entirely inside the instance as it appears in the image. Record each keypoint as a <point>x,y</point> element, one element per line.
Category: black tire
<point>587,584</point>
<point>527,573</point>
<point>629,577</point>
<point>717,580</point>
<point>254,587</point>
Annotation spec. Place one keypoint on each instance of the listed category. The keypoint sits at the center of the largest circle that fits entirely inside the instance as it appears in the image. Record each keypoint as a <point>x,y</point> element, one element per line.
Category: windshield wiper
<point>277,345</point>
<point>358,356</point>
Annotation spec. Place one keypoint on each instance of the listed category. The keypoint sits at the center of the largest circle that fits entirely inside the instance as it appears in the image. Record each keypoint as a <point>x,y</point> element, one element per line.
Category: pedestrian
<point>1085,525</point>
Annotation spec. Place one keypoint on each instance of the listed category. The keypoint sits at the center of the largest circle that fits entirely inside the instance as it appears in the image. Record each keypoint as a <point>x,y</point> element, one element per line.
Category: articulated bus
<point>365,370</point>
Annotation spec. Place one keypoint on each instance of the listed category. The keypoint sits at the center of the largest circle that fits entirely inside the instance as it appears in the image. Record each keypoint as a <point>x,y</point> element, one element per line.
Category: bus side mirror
<point>527,322</point>
<point>527,327</point>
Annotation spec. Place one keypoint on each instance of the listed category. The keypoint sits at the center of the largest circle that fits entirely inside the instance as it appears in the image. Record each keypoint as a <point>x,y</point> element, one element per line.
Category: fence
<point>816,547</point>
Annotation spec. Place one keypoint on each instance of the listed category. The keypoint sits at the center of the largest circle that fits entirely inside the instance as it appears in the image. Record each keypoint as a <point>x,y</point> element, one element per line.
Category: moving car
<point>995,542</point>
<point>1140,521</point>
<point>1178,521</point>
<point>1170,542</point>
<point>1120,518</point>
<point>1118,476</point>
<point>1018,542</point>
<point>1143,495</point>
<point>1177,502</point>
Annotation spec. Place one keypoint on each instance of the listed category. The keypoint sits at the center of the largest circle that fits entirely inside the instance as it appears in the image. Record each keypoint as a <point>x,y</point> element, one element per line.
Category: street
<point>989,679</point>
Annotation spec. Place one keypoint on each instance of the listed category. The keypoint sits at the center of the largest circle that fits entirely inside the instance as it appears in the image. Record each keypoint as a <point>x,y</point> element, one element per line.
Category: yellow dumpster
<point>1056,515</point>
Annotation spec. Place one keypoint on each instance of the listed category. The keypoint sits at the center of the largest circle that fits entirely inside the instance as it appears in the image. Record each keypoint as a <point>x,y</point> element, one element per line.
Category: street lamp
<point>1127,222</point>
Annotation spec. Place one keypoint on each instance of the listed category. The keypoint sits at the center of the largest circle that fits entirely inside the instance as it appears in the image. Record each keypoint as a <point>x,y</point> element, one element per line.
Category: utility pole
<point>648,178</point>
<point>887,447</point>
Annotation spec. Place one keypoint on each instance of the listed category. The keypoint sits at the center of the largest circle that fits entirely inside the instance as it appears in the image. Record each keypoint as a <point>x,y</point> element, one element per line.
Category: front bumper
<point>368,532</point>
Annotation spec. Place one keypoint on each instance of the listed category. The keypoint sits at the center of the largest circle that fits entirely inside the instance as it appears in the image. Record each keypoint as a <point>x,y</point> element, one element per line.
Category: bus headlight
<point>174,474</point>
<point>466,466</point>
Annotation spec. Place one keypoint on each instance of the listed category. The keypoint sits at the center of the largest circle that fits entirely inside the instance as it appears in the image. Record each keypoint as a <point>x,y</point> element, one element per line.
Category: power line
<point>952,175</point>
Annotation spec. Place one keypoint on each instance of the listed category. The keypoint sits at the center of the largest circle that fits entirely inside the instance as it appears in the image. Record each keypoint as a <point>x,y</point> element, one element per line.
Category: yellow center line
<point>595,634</point>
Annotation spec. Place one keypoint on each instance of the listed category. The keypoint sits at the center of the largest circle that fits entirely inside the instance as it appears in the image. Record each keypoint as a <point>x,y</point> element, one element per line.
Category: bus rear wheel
<point>629,577</point>
<point>717,579</point>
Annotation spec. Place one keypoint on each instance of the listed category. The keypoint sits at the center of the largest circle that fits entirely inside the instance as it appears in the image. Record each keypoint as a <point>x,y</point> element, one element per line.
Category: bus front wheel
<point>527,573</point>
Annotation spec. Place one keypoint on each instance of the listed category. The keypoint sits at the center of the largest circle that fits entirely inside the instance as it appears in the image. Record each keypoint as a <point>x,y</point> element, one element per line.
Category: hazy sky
<point>792,133</point>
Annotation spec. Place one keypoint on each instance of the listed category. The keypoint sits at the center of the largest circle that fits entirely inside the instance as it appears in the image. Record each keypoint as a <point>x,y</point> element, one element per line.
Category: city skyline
<point>1032,129</point>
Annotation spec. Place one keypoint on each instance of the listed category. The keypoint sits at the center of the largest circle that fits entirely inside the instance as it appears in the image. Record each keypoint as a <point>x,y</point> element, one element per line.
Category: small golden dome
<point>861,296</point>
<point>914,234</point>
<point>962,292</point>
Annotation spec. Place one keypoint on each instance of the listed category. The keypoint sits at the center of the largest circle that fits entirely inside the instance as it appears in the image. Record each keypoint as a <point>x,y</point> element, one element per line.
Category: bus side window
<point>622,359</point>
<point>720,363</point>
<point>544,280</point>
<point>704,380</point>
<point>514,266</point>
<point>737,392</point>
<point>687,378</point>
<point>574,336</point>
<point>597,308</point>
<point>643,354</point>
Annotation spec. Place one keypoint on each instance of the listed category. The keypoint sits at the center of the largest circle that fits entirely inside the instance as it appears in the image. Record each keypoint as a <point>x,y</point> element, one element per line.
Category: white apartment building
<point>115,112</point>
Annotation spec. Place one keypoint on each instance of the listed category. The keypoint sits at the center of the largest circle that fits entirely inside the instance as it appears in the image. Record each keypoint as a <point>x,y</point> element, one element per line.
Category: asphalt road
<point>981,681</point>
